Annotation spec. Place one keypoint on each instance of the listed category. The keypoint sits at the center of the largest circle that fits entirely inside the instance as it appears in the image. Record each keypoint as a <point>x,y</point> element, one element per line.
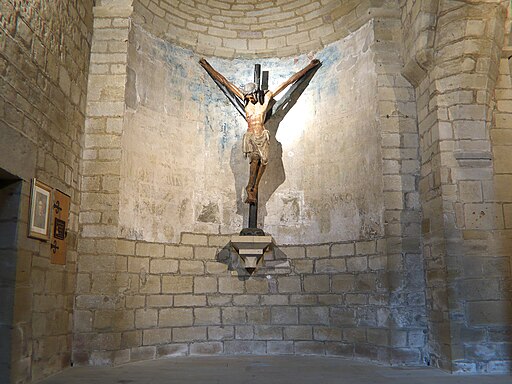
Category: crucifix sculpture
<point>254,103</point>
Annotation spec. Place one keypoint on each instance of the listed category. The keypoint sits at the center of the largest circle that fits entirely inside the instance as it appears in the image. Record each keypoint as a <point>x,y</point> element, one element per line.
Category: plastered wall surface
<point>183,169</point>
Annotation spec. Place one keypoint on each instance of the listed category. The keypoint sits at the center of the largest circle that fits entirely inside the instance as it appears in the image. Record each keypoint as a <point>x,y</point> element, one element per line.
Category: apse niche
<point>183,168</point>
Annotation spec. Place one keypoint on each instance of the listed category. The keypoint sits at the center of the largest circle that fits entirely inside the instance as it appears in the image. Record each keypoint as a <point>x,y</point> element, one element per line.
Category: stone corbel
<point>251,249</point>
<point>417,67</point>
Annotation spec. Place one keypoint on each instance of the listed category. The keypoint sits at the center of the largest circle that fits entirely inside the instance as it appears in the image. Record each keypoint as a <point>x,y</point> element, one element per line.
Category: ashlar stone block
<point>172,350</point>
<point>179,252</point>
<point>138,264</point>
<point>150,284</point>
<point>208,348</point>
<point>317,251</point>
<point>284,315</point>
<point>163,266</point>
<point>175,317</point>
<point>257,285</point>
<point>289,284</point>
<point>146,318</point>
<point>157,336</point>
<point>316,283</point>
<point>160,300</point>
<point>205,284</point>
<point>490,312</point>
<point>194,239</point>
<point>357,264</point>
<point>330,265</point>
<point>221,333</point>
<point>470,191</point>
<point>150,249</point>
<point>230,285</point>
<point>314,315</point>
<point>177,284</point>
<point>327,334</point>
<point>280,347</point>
<point>242,300</point>
<point>242,347</point>
<point>190,301</point>
<point>188,334</point>
<point>244,332</point>
<point>191,267</point>
<point>480,216</point>
<point>258,315</point>
<point>346,249</point>
<point>206,316</point>
<point>233,316</point>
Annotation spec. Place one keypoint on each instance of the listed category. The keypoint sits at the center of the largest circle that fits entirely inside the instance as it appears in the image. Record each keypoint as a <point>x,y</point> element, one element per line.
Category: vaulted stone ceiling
<point>248,28</point>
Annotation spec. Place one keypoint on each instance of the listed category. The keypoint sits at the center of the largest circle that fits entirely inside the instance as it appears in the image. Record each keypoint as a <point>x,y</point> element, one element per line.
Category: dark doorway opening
<point>10,196</point>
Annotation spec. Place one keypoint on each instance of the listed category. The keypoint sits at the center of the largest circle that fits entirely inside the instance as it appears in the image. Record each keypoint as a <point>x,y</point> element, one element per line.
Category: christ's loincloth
<point>257,145</point>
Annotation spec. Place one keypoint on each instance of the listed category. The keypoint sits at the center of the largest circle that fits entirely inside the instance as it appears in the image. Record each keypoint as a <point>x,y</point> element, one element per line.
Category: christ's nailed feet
<point>252,196</point>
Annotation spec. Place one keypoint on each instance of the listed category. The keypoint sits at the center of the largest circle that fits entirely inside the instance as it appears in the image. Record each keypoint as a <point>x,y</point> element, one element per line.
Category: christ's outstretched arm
<point>221,79</point>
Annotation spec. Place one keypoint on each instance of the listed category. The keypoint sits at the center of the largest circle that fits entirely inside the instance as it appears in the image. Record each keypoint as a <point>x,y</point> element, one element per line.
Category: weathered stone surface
<point>209,348</point>
<point>170,350</point>
<point>189,334</point>
<point>177,284</point>
<point>318,283</point>
<point>314,315</point>
<point>230,285</point>
<point>175,317</point>
<point>239,347</point>
<point>146,318</point>
<point>490,312</point>
<point>157,336</point>
<point>392,240</point>
<point>221,333</point>
<point>284,315</point>
<point>206,316</point>
<point>291,284</point>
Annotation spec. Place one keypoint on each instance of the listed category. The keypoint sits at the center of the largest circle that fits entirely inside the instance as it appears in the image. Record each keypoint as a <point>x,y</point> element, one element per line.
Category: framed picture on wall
<point>39,221</point>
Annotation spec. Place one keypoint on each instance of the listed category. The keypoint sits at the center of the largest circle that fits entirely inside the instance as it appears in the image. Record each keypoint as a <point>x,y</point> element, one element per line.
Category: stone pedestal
<point>251,249</point>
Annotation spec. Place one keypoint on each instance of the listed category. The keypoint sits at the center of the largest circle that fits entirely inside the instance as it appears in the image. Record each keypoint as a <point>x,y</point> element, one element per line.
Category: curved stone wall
<point>183,168</point>
<point>255,28</point>
<point>168,283</point>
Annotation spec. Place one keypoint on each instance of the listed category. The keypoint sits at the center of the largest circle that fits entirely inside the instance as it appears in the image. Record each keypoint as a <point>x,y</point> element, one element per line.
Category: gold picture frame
<point>40,212</point>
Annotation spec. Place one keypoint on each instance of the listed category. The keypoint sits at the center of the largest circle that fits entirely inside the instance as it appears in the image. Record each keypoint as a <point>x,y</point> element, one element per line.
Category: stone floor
<point>274,370</point>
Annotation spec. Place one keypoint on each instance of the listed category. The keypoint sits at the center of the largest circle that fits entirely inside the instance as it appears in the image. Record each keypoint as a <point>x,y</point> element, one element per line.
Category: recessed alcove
<point>337,282</point>
<point>386,193</point>
<point>183,168</point>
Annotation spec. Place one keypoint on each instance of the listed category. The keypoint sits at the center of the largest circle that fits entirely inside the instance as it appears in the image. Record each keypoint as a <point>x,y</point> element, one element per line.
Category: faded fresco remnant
<point>182,170</point>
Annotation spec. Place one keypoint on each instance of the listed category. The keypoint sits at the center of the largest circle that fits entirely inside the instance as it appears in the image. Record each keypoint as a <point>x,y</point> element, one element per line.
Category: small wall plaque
<point>60,209</point>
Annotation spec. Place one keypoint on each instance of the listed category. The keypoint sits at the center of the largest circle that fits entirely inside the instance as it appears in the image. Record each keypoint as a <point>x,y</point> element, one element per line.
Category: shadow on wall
<point>229,257</point>
<point>274,175</point>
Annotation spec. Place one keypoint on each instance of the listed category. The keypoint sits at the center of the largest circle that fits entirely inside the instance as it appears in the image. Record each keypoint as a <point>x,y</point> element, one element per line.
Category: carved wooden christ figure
<point>255,103</point>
